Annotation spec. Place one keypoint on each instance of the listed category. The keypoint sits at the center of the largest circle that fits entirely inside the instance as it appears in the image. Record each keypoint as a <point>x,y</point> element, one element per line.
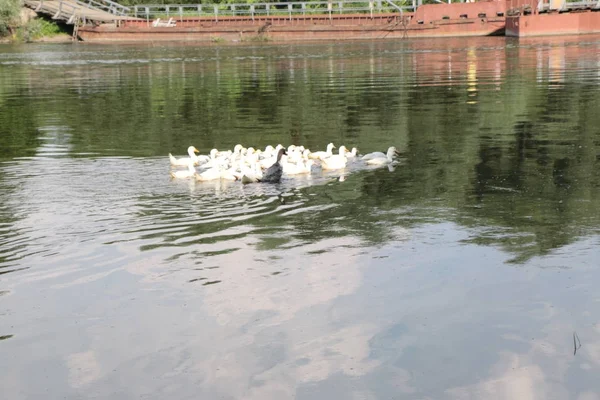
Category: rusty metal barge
<point>289,21</point>
<point>105,20</point>
<point>527,18</point>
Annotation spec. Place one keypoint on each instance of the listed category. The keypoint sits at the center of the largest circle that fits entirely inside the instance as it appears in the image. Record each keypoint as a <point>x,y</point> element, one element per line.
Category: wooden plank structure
<point>73,11</point>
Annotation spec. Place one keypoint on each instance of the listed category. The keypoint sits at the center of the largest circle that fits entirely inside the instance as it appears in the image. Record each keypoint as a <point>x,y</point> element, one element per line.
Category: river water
<point>463,273</point>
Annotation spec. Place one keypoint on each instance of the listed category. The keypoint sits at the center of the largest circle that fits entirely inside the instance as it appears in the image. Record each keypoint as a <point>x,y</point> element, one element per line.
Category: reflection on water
<point>460,274</point>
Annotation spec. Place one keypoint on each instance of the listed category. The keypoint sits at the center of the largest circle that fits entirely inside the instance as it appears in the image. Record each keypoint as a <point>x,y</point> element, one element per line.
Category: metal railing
<point>400,10</point>
<point>106,5</point>
<point>74,10</point>
<point>59,11</point>
<point>290,9</point>
<point>567,5</point>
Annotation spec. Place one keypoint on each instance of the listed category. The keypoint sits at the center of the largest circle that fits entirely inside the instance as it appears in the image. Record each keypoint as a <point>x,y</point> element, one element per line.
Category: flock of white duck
<point>250,165</point>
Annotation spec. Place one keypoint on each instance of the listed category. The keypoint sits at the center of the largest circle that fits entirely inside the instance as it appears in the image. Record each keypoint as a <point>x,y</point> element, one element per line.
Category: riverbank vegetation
<point>9,16</point>
<point>23,25</point>
<point>36,29</point>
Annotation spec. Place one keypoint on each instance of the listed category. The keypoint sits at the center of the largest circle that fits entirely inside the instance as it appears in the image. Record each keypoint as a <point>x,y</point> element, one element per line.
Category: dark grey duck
<point>273,174</point>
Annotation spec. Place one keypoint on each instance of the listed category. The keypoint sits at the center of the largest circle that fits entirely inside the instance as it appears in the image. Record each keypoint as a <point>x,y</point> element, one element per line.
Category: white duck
<point>320,155</point>
<point>251,157</point>
<point>184,161</point>
<point>299,168</point>
<point>252,174</point>
<point>230,175</point>
<point>204,159</point>
<point>238,152</point>
<point>376,154</point>
<point>209,175</point>
<point>191,171</point>
<point>267,162</point>
<point>269,151</point>
<point>294,156</point>
<point>338,161</point>
<point>215,160</point>
<point>386,159</point>
<point>352,154</point>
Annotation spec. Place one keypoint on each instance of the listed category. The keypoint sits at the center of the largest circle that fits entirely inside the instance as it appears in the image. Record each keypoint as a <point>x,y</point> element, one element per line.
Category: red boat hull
<point>483,18</point>
<point>570,23</point>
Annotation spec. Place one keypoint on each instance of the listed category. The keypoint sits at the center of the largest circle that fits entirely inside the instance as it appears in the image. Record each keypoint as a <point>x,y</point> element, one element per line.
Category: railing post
<point>58,11</point>
<point>290,10</point>
<point>252,11</point>
<point>216,13</point>
<point>180,14</point>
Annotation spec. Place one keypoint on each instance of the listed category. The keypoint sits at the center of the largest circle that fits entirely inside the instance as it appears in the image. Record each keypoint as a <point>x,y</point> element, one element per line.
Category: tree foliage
<point>9,16</point>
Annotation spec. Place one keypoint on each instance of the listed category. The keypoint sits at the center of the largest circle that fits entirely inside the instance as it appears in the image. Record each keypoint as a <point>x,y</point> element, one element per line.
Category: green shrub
<point>9,16</point>
<point>37,28</point>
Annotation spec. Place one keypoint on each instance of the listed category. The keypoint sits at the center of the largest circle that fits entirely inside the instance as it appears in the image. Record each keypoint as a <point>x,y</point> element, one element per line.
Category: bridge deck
<point>70,10</point>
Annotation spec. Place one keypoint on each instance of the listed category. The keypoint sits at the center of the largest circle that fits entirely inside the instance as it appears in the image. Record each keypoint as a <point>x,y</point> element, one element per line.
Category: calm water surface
<point>461,274</point>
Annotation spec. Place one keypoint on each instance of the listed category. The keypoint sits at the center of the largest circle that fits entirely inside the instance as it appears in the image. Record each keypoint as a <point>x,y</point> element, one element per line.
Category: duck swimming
<point>251,174</point>
<point>376,154</point>
<point>386,159</point>
<point>191,171</point>
<point>184,161</point>
<point>273,174</point>
<point>302,167</point>
<point>209,175</point>
<point>337,161</point>
<point>248,164</point>
<point>323,154</point>
<point>351,155</point>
